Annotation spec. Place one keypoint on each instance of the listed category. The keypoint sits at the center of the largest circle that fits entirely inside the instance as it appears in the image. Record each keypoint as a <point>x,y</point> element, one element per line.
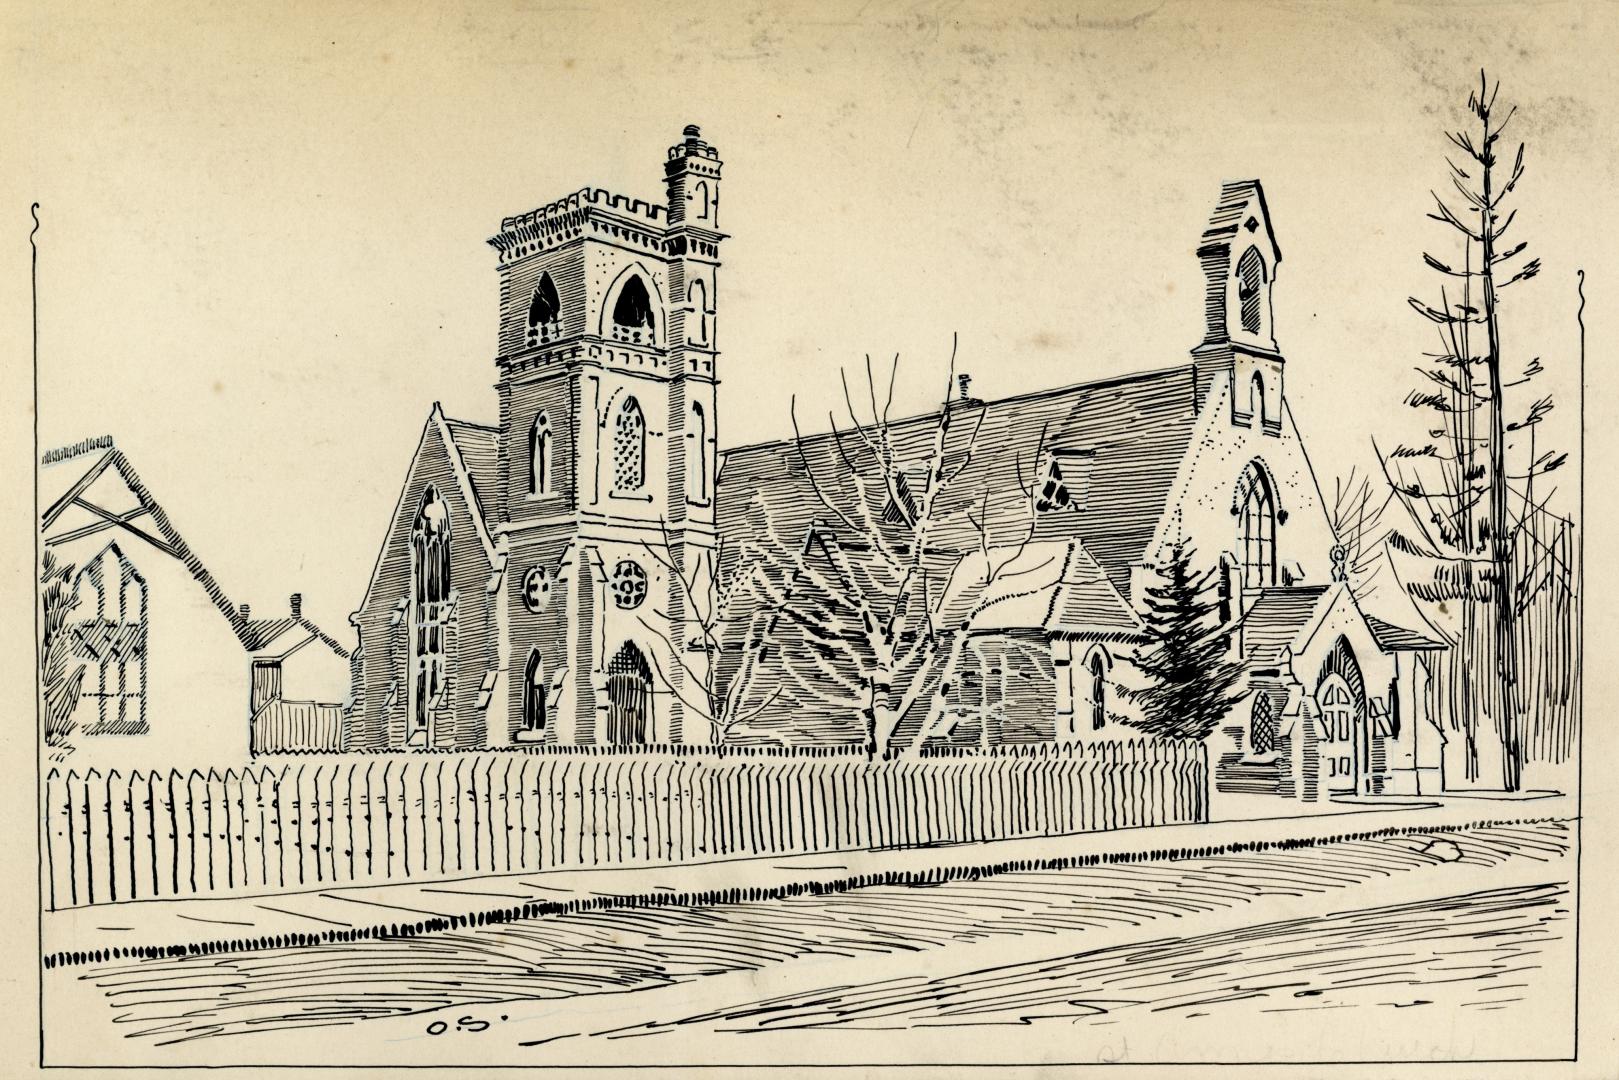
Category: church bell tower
<point>1239,256</point>
<point>607,369</point>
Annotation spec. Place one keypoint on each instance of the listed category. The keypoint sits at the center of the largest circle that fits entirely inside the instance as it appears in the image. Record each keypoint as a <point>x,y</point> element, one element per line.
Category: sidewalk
<point>221,924</point>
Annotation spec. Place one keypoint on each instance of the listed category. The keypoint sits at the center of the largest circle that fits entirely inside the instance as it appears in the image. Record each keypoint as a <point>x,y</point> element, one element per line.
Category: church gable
<point>1207,507</point>
<point>438,464</point>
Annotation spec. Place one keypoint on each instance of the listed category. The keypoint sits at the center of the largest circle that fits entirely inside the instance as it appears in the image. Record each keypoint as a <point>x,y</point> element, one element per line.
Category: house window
<point>534,694</point>
<point>628,585</point>
<point>697,462</point>
<point>1250,291</point>
<point>1099,666</point>
<point>544,312</point>
<point>430,607</point>
<point>1256,526</point>
<point>629,447</point>
<point>632,312</point>
<point>539,456</point>
<point>109,639</point>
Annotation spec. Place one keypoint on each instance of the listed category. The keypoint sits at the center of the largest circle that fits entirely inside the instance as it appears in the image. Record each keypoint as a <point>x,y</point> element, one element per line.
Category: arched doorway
<point>1340,696</point>
<point>629,697</point>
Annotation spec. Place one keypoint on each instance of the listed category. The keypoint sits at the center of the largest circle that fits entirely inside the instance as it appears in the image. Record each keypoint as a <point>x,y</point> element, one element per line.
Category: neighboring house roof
<point>1122,441</point>
<point>1279,618</point>
<point>276,639</point>
<point>101,492</point>
<point>1054,586</point>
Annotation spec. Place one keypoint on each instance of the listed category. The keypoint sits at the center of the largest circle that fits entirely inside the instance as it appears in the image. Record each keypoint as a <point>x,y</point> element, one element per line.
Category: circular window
<point>537,586</point>
<point>628,584</point>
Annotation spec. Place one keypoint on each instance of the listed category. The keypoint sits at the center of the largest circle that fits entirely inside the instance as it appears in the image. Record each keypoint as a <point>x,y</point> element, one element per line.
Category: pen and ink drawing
<point>635,733</point>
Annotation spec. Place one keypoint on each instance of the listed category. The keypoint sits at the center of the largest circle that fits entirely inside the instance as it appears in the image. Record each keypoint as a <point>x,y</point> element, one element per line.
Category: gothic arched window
<point>1256,527</point>
<point>544,312</point>
<point>534,693</point>
<point>539,456</point>
<point>430,607</point>
<point>697,457</point>
<point>699,198</point>
<point>1256,399</point>
<point>629,447</point>
<point>697,301</point>
<point>632,312</point>
<point>1099,667</point>
<point>1250,294</point>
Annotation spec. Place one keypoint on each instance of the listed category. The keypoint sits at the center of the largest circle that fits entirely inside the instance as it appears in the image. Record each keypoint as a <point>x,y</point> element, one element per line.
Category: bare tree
<point>868,589</point>
<point>1357,522</point>
<point>712,624</point>
<point>1460,485</point>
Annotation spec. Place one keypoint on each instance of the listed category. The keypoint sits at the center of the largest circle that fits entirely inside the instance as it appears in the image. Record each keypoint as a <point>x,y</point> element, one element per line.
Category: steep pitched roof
<point>473,451</point>
<point>106,493</point>
<point>479,447</point>
<point>1126,437</point>
<point>1278,619</point>
<point>1391,638</point>
<point>1054,586</point>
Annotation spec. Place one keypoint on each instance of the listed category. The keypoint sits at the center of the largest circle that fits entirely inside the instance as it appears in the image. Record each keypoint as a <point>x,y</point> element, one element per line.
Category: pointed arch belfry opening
<point>544,312</point>
<point>633,315</point>
<point>1251,281</point>
<point>629,697</point>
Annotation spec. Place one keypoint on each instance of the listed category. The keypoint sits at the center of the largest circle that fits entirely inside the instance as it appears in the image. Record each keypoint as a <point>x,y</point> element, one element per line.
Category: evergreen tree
<point>1190,682</point>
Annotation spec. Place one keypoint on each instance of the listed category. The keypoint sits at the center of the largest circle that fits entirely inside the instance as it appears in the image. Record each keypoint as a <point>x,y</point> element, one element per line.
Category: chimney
<point>247,612</point>
<point>297,605</point>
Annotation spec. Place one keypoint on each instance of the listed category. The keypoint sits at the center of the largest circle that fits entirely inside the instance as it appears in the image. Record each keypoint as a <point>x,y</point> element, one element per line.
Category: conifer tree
<point>1190,681</point>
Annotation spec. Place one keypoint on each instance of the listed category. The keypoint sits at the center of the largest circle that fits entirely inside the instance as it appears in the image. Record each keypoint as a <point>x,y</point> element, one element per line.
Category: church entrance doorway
<point>629,697</point>
<point>1340,696</point>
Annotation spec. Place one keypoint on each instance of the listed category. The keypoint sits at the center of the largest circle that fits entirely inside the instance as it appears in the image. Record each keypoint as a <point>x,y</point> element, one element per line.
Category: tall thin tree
<point>1459,484</point>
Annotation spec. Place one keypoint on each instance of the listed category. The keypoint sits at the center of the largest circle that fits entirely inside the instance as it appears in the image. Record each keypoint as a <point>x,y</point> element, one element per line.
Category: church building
<point>552,578</point>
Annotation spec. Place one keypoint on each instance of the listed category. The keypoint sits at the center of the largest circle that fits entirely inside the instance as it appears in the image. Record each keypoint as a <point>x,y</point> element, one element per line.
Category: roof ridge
<point>1012,399</point>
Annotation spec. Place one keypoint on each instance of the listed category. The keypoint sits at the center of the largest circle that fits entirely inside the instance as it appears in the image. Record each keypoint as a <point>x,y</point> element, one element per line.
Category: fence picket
<point>353,818</point>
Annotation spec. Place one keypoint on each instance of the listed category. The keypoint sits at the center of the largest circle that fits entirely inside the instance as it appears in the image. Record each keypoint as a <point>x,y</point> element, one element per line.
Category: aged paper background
<point>262,245</point>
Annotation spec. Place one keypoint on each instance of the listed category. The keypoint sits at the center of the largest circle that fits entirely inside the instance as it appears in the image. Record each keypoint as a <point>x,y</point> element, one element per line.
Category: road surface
<point>1430,946</point>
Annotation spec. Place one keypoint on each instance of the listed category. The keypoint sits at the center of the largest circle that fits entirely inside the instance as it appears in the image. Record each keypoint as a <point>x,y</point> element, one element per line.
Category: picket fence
<point>323,822</point>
